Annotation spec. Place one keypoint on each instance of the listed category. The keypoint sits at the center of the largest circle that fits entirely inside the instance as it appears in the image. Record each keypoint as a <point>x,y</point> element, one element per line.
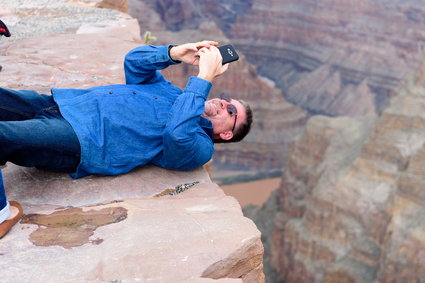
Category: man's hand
<point>188,53</point>
<point>210,63</point>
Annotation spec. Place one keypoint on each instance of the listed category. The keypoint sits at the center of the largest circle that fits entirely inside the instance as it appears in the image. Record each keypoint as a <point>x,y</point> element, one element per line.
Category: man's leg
<point>47,141</point>
<point>22,105</point>
<point>34,133</point>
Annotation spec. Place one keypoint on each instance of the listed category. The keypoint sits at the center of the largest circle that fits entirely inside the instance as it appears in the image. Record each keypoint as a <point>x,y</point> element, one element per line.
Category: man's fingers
<point>215,50</point>
<point>211,43</point>
<point>203,50</point>
<point>194,47</point>
<point>225,67</point>
<point>196,63</point>
<point>199,45</point>
<point>206,43</point>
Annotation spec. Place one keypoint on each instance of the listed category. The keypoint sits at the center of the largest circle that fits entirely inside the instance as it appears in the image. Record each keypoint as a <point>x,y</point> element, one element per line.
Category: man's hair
<point>243,128</point>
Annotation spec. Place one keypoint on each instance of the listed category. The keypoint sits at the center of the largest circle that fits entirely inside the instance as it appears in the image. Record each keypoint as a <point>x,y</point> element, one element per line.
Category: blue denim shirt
<point>145,121</point>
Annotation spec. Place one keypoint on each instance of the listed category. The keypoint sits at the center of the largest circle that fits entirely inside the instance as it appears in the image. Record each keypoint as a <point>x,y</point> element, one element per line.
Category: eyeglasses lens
<point>230,107</point>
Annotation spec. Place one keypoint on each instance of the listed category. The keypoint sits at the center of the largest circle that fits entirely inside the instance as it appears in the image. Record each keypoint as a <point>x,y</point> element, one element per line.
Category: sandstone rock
<point>121,5</point>
<point>27,19</point>
<point>56,62</point>
<point>317,161</point>
<point>261,217</point>
<point>117,236</point>
<point>37,187</point>
<point>354,215</point>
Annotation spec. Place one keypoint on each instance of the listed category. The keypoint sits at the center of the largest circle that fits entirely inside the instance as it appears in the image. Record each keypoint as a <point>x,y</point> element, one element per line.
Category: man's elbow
<point>187,153</point>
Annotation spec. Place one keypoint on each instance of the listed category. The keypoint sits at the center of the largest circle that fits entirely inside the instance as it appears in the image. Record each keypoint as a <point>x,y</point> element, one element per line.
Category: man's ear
<point>226,135</point>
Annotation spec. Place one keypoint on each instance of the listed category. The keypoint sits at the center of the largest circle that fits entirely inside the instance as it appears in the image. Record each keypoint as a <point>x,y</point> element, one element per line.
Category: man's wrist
<point>206,77</point>
<point>170,54</point>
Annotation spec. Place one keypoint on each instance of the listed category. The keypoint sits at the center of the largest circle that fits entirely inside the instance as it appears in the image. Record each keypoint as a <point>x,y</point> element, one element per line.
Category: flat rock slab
<point>34,187</point>
<point>93,57</point>
<point>198,233</point>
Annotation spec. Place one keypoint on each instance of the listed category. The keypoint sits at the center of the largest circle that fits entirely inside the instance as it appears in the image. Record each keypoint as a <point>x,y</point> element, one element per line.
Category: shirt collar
<point>207,127</point>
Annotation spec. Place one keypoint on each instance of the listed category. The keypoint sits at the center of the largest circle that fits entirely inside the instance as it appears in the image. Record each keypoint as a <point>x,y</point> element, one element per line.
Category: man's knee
<point>17,105</point>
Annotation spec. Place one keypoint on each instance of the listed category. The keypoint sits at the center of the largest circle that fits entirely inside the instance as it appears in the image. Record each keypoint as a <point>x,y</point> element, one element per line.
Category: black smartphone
<point>228,52</point>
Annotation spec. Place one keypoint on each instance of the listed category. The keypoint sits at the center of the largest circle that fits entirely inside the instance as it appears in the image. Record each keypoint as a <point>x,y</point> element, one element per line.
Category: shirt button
<point>134,92</point>
<point>110,92</point>
<point>156,97</point>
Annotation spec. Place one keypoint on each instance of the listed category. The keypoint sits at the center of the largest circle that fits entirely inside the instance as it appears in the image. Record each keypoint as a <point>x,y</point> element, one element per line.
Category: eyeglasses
<point>231,109</point>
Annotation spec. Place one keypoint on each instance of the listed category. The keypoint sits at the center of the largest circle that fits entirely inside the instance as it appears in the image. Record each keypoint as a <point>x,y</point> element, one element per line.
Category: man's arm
<point>189,53</point>
<point>186,144</point>
<point>141,64</point>
<point>210,63</point>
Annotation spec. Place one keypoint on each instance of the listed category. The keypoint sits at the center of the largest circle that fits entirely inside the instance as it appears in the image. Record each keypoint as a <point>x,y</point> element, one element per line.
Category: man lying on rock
<point>112,129</point>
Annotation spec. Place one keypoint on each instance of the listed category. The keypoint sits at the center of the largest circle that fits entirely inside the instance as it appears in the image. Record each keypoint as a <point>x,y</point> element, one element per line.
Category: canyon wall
<point>351,201</point>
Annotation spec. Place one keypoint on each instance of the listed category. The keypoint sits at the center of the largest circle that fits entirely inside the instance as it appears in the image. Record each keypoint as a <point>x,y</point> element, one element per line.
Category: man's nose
<point>224,103</point>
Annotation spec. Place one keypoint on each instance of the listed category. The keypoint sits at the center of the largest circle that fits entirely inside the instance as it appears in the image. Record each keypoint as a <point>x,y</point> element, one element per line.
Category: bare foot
<point>13,212</point>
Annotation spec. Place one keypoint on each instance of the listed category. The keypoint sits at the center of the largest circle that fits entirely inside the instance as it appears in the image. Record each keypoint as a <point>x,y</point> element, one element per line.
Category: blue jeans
<point>33,133</point>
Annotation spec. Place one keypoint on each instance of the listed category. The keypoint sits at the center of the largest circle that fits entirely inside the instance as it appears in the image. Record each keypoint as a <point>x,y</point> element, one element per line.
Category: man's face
<point>217,111</point>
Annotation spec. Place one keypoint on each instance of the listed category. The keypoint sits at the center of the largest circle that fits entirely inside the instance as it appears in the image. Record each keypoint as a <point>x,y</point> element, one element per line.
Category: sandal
<point>6,225</point>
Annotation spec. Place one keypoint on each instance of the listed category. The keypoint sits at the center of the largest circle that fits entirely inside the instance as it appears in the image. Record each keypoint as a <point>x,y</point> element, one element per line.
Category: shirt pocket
<point>163,106</point>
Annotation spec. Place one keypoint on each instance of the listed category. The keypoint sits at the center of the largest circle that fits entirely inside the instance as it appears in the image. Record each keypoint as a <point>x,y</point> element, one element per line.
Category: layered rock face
<point>327,55</point>
<point>333,57</point>
<point>124,228</point>
<point>351,198</point>
<point>324,56</point>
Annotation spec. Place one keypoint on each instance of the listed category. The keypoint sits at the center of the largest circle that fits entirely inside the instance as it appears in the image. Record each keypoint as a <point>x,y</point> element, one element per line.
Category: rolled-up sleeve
<point>141,64</point>
<point>186,144</point>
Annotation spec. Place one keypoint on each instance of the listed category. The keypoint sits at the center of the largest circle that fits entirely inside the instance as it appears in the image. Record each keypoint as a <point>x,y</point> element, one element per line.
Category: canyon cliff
<point>150,225</point>
<point>351,201</point>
